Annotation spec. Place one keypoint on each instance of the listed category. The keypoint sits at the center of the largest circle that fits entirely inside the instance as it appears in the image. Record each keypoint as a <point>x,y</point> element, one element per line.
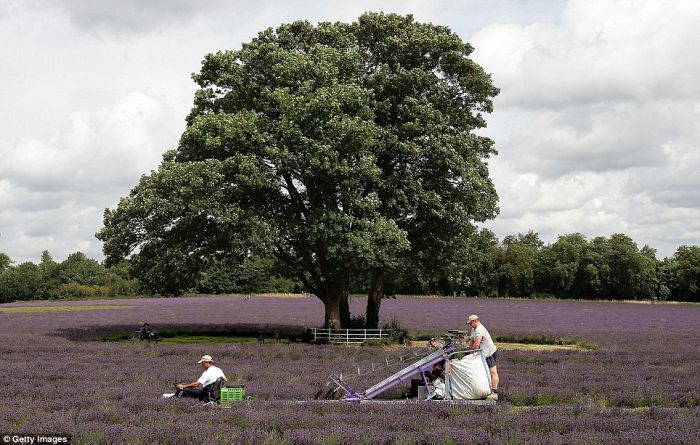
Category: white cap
<point>206,358</point>
<point>472,318</point>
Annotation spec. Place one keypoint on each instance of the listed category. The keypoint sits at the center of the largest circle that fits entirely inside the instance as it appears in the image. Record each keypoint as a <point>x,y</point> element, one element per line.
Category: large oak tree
<point>345,149</point>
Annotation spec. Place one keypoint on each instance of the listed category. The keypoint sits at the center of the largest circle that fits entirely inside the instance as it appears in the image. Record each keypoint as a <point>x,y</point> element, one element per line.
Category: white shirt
<point>487,345</point>
<point>210,375</point>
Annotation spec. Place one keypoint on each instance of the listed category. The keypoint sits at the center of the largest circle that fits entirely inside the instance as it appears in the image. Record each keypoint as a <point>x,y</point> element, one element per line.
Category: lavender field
<point>641,384</point>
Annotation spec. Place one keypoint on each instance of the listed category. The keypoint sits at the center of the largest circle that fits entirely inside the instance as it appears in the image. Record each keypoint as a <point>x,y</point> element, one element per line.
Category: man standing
<point>479,337</point>
<point>210,375</point>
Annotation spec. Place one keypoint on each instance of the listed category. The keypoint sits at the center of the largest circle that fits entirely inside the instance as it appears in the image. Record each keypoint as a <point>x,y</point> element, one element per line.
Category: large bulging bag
<point>468,378</point>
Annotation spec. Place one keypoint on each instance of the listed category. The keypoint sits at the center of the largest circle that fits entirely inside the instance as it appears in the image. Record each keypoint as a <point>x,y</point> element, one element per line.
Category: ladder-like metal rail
<point>348,336</point>
<point>416,368</point>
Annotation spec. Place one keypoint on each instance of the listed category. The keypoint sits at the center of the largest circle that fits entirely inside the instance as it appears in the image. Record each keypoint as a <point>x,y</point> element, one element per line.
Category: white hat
<point>472,318</point>
<point>206,358</point>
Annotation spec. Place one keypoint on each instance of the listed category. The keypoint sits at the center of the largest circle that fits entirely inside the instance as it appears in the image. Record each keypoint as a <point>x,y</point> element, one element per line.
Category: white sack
<point>468,378</point>
<point>439,388</point>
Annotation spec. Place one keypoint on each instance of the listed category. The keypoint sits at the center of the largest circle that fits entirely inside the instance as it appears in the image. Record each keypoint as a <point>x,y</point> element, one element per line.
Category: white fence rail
<point>348,336</point>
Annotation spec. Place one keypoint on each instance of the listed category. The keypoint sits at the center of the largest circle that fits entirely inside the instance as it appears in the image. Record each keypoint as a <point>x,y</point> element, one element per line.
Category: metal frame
<point>419,367</point>
<point>348,336</point>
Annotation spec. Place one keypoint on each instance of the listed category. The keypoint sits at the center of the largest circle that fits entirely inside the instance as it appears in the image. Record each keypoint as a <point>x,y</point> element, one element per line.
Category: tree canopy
<point>346,150</point>
<point>76,277</point>
<point>572,267</point>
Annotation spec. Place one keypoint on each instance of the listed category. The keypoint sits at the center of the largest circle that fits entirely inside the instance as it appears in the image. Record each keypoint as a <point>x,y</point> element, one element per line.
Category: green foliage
<point>21,282</point>
<point>685,266</point>
<point>357,322</point>
<point>560,264</point>
<point>613,268</point>
<point>551,399</point>
<point>632,275</point>
<point>81,291</point>
<point>76,277</point>
<point>120,280</point>
<point>346,151</point>
<point>518,399</point>
<point>5,261</point>
<point>516,264</point>
<point>398,333</point>
<point>254,274</point>
<point>466,266</point>
<point>598,269</point>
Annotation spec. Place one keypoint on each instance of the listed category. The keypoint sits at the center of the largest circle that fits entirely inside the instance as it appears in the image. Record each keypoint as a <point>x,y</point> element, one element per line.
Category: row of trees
<point>76,277</point>
<point>81,277</point>
<point>481,265</point>
<point>572,267</point>
<point>613,268</point>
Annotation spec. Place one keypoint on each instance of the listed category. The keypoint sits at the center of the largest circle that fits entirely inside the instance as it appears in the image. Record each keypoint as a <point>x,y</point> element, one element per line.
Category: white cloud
<point>614,136</point>
<point>54,190</point>
<point>600,52</point>
<point>98,152</point>
<point>597,124</point>
<point>104,17</point>
<point>595,204</point>
<point>62,230</point>
<point>600,108</point>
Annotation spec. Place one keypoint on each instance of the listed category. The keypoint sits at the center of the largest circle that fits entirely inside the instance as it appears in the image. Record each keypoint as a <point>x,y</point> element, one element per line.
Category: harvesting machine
<point>466,377</point>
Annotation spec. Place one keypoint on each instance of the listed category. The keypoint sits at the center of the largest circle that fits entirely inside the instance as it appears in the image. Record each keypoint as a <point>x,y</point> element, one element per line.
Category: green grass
<point>554,341</point>
<point>201,339</point>
<point>241,334</point>
<point>38,309</point>
<point>551,399</point>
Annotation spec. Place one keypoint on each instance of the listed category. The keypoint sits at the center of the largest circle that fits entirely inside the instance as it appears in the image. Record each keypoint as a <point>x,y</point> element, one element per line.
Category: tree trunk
<point>344,306</point>
<point>332,314</point>
<point>335,300</point>
<point>374,300</point>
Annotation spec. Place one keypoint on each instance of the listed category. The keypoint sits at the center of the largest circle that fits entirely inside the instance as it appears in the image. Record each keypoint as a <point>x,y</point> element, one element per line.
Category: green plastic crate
<point>232,394</point>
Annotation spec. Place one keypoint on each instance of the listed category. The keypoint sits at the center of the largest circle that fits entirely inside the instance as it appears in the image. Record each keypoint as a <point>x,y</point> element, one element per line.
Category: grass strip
<point>204,339</point>
<point>39,309</point>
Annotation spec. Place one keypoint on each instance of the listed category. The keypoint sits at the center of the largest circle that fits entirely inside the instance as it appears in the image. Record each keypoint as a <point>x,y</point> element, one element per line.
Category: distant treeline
<point>573,267</point>
<point>518,266</point>
<point>76,277</point>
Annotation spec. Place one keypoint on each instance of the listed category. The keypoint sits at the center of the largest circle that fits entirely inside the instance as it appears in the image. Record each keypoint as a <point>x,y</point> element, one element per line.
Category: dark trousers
<point>195,393</point>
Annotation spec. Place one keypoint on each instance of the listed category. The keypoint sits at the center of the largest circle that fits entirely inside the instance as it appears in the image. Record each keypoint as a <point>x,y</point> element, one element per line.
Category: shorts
<point>491,360</point>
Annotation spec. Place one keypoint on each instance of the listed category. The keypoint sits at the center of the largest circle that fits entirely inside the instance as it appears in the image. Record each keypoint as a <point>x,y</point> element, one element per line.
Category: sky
<point>597,124</point>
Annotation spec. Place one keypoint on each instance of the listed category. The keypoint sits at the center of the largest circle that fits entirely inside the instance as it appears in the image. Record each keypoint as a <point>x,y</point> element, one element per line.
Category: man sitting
<point>199,388</point>
<point>146,333</point>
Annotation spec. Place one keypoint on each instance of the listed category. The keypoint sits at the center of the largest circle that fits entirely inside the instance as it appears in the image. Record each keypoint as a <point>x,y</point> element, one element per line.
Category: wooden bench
<point>136,335</point>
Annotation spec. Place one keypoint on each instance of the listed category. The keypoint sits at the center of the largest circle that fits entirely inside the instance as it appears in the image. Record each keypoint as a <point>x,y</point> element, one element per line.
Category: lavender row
<point>507,316</point>
<point>175,421</point>
<point>641,383</point>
